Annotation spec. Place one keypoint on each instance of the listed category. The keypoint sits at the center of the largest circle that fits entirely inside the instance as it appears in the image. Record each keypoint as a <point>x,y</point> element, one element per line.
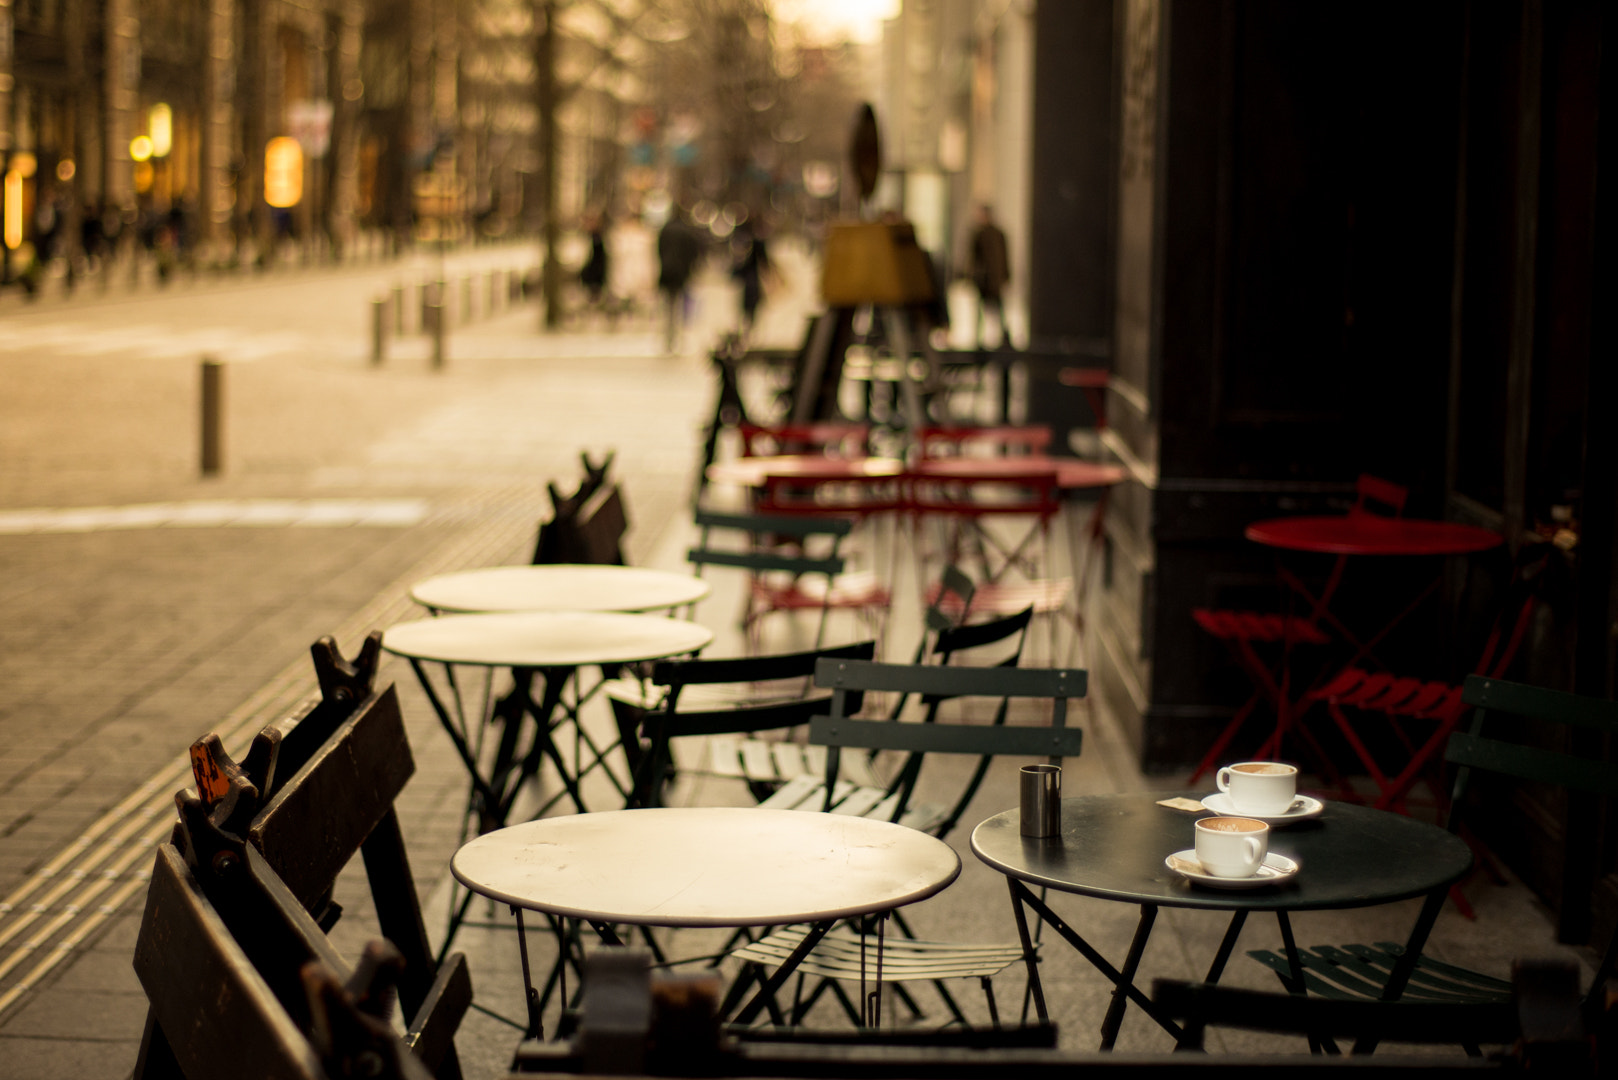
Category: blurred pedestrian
<point>990,267</point>
<point>678,250</point>
<point>750,265</point>
<point>593,275</point>
<point>92,237</point>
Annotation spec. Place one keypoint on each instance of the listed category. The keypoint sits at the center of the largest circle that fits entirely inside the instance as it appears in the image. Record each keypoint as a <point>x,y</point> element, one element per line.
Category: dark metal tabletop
<point>1114,846</point>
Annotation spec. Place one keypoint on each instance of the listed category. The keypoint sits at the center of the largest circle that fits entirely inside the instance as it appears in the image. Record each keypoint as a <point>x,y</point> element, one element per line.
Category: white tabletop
<point>706,866</point>
<point>559,587</point>
<point>545,638</point>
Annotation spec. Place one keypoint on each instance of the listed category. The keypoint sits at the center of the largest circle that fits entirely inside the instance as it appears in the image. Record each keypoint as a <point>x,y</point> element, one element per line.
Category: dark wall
<point>1285,303</point>
<point>1308,241</point>
<point>1070,275</point>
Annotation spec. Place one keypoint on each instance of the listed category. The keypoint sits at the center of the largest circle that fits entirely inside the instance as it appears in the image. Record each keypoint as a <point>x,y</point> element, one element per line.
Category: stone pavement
<point>128,631</point>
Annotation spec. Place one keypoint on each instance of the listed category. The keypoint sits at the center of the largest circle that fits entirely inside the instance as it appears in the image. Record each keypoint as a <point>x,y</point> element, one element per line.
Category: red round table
<point>1346,536</point>
<point>1018,466</point>
<point>1369,534</point>
<point>754,471</point>
<point>1075,475</point>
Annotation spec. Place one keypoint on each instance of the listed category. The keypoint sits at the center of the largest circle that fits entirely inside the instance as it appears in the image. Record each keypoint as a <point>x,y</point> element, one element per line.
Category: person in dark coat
<point>593,275</point>
<point>750,263</point>
<point>990,266</point>
<point>679,248</point>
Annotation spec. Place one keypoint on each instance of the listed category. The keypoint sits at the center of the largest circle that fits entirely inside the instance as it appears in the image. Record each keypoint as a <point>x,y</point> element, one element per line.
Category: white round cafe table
<point>558,643</point>
<point>706,866</point>
<point>559,587</point>
<point>545,639</point>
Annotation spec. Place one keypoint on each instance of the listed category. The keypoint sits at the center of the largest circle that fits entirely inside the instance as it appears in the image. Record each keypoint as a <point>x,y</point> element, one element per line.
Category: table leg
<point>536,1023</point>
<point>544,745</point>
<point>1126,977</point>
<point>1126,988</point>
<point>1030,956</point>
<point>482,790</point>
<point>547,722</point>
<point>1294,981</point>
<point>1399,977</point>
<point>1226,946</point>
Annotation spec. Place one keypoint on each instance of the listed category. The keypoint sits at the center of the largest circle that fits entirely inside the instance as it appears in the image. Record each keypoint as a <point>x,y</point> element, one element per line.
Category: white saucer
<point>1275,870</point>
<point>1303,808</point>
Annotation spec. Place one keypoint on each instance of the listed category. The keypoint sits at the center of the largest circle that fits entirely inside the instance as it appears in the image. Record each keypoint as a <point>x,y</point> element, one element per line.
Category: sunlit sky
<point>853,20</point>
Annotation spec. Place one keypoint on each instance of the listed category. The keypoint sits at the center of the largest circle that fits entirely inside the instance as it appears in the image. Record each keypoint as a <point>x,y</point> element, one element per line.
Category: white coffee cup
<point>1232,847</point>
<point>1259,787</point>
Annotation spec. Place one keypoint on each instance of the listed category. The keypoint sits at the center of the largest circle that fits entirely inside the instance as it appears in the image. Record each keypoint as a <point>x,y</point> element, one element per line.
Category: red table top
<point>1074,475</point>
<point>986,468</point>
<point>1069,474</point>
<point>1370,534</point>
<point>1088,378</point>
<point>753,471</point>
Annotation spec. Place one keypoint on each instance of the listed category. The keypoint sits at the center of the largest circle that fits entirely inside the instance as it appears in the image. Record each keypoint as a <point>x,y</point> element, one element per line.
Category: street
<point>144,604</point>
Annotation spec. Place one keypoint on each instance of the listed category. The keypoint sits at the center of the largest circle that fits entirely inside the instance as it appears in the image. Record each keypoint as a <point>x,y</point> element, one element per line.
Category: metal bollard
<point>213,420</point>
<point>466,299</point>
<point>425,299</point>
<point>435,324</point>
<point>494,293</point>
<point>398,309</point>
<point>379,330</point>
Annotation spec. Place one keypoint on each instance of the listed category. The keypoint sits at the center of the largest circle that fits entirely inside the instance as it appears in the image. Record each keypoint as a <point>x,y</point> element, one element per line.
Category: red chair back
<point>1373,490</point>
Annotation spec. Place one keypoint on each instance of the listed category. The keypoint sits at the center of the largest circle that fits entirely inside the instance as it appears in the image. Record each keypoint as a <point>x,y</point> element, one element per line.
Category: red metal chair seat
<point>1401,699</point>
<point>1230,624</point>
<point>1239,629</point>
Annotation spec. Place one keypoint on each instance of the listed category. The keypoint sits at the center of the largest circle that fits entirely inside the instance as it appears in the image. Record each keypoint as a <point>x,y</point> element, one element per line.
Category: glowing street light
<point>13,221</point>
<point>283,172</point>
<point>160,122</point>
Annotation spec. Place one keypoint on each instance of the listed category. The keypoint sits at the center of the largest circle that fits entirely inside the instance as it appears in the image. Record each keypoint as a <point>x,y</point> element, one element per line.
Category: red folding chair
<point>1006,440</point>
<point>1243,632</point>
<point>1410,705</point>
<point>832,438</point>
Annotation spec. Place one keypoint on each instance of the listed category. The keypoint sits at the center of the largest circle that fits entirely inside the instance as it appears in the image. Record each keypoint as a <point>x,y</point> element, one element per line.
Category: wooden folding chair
<point>234,964</point>
<point>317,789</point>
<point>559,539</point>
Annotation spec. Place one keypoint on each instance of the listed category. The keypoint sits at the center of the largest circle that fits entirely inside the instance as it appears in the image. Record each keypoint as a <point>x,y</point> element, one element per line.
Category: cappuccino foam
<point>1264,768</point>
<point>1231,824</point>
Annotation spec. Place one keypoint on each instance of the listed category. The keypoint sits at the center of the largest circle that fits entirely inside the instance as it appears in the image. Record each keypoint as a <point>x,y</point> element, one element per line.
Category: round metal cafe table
<point>549,639</point>
<point>706,867</point>
<point>1114,846</point>
<point>559,587</point>
<point>555,643</point>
